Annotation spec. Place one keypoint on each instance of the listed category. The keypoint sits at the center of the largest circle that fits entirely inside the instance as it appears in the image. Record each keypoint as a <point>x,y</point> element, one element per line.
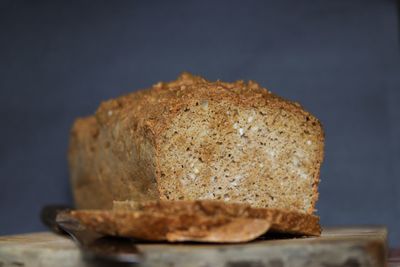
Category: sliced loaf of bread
<point>192,139</point>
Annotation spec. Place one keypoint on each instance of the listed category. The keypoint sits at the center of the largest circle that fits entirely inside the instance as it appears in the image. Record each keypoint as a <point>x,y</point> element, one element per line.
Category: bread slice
<point>205,221</point>
<point>192,139</point>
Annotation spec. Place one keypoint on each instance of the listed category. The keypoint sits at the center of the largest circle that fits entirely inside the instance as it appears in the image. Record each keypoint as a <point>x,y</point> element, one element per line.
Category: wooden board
<point>347,247</point>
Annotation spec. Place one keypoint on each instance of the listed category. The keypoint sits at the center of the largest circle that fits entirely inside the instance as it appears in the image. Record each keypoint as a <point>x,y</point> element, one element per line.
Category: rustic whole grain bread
<point>192,139</point>
<point>206,221</point>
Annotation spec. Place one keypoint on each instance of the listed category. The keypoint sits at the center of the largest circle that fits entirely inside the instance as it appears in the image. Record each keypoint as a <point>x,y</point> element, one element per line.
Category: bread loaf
<point>206,221</point>
<point>192,139</point>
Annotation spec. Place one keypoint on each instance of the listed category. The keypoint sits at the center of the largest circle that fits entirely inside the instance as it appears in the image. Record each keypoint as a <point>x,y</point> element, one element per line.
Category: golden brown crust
<point>82,156</point>
<point>206,221</point>
<point>152,108</point>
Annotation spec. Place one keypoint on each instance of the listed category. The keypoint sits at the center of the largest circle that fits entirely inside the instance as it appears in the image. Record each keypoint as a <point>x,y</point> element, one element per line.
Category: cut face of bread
<point>205,221</point>
<point>265,156</point>
<point>192,139</point>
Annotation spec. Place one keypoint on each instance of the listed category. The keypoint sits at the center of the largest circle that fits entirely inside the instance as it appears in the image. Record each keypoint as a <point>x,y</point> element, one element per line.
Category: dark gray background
<point>340,59</point>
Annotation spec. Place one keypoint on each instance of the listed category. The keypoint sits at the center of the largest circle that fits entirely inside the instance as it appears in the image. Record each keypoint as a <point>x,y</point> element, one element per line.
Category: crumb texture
<point>192,139</point>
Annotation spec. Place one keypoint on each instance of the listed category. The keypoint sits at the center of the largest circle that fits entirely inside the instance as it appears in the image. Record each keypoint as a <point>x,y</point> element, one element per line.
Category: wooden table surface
<point>347,247</point>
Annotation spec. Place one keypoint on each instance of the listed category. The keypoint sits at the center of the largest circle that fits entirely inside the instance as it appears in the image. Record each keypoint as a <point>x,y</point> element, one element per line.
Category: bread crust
<point>205,221</point>
<point>114,154</point>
